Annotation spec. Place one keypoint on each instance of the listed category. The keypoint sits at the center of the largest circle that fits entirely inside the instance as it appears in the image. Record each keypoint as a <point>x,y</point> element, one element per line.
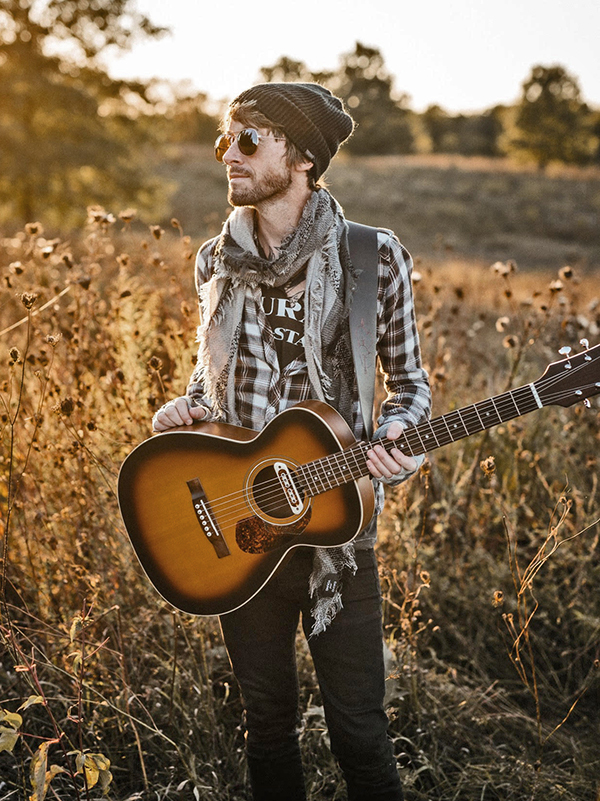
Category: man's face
<point>261,177</point>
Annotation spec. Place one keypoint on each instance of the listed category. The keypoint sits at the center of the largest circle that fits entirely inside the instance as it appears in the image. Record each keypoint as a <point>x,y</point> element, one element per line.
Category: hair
<point>246,114</point>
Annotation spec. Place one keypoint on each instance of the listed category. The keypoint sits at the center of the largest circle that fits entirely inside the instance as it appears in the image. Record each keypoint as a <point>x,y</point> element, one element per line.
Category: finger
<point>380,464</point>
<point>179,411</point>
<point>394,430</point>
<point>384,464</point>
<point>198,412</point>
<point>171,415</point>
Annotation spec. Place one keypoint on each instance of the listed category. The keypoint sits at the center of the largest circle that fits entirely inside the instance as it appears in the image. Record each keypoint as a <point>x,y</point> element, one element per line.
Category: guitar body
<point>213,509</point>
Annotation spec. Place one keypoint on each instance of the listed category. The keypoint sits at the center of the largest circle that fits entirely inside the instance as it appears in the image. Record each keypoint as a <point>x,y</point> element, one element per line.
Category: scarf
<point>319,242</point>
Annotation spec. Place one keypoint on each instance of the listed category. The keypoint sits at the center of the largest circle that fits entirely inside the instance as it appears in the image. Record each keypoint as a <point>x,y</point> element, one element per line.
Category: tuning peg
<point>585,344</point>
<point>565,351</point>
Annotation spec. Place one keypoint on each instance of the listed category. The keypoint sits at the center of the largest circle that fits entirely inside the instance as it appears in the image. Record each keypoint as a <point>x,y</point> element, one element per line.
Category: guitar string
<point>339,461</point>
<point>333,460</point>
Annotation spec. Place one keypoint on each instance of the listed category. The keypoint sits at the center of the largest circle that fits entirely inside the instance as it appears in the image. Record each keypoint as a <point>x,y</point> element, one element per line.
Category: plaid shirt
<point>263,390</point>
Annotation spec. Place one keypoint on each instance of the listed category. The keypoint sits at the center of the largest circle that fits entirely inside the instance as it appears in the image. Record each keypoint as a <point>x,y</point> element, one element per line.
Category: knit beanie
<point>311,117</point>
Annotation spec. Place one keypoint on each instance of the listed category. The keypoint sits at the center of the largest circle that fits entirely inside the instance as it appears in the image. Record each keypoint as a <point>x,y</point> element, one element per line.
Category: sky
<point>465,55</point>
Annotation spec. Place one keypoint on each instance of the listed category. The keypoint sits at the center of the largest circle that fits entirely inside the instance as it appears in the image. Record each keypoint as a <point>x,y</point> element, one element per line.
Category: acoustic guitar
<point>213,509</point>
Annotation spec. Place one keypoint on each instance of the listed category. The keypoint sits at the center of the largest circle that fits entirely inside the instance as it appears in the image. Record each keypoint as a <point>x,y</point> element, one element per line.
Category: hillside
<point>478,208</point>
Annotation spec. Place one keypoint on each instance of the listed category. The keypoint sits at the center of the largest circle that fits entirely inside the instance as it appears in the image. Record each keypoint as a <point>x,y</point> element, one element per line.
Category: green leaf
<point>76,627</point>
<point>12,719</point>
<point>33,699</point>
<point>37,773</point>
<point>8,738</point>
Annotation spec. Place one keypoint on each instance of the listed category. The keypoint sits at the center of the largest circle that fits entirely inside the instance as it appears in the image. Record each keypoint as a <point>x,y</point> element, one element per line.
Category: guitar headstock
<point>570,380</point>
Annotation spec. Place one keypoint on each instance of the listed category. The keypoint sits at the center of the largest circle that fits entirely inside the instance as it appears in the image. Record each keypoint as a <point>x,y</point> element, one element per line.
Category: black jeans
<point>348,660</point>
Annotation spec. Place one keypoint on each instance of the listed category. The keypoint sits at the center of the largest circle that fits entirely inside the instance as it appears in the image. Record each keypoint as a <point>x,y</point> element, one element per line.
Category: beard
<point>260,190</point>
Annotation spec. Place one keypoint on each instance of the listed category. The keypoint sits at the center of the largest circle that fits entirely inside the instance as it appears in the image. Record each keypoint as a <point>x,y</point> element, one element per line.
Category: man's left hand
<point>385,465</point>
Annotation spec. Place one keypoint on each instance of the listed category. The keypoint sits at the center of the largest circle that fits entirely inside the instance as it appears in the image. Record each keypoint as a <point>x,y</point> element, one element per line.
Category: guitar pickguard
<point>254,535</point>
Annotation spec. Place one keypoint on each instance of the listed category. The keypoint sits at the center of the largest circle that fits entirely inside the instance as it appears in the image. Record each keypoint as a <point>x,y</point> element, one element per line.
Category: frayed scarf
<point>319,243</point>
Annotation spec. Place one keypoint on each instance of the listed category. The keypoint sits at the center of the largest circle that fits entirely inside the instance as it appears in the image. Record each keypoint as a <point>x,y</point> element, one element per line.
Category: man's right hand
<point>178,412</point>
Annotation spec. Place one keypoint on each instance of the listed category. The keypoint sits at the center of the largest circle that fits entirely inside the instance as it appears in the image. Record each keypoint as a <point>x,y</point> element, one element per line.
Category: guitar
<point>213,509</point>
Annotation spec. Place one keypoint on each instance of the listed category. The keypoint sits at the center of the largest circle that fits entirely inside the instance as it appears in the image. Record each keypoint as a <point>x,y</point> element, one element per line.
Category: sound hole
<point>269,495</point>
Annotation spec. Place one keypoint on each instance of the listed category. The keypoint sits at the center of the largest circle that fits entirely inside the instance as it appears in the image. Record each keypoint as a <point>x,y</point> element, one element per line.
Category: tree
<point>383,121</point>
<point>552,121</point>
<point>67,131</point>
<point>467,134</point>
<point>365,85</point>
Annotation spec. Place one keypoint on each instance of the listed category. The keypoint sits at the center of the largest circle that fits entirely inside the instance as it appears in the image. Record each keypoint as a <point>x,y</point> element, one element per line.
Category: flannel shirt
<point>262,387</point>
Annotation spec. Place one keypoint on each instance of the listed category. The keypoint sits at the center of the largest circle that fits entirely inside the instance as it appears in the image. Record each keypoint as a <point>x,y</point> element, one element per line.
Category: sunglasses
<point>247,141</point>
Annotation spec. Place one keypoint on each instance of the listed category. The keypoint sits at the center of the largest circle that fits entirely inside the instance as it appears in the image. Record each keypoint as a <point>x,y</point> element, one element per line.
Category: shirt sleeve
<point>203,271</point>
<point>408,396</point>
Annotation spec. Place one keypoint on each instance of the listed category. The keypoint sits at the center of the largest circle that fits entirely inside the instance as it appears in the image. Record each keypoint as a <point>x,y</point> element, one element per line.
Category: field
<point>489,558</point>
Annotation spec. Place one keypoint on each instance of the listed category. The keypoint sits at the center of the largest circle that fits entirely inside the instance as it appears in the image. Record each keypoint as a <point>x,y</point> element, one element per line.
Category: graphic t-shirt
<point>286,317</point>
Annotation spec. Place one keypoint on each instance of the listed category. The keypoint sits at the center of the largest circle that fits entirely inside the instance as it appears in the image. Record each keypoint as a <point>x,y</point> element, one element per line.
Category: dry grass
<point>492,635</point>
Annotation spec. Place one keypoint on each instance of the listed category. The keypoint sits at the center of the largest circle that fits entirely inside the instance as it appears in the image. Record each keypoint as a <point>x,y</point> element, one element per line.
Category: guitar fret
<point>314,475</point>
<point>416,430</point>
<point>488,407</point>
<point>360,467</point>
<point>325,473</point>
<point>474,406</point>
<point>454,425</point>
<point>343,468</point>
<point>443,419</point>
<point>432,433</point>
<point>410,432</point>
<point>512,397</point>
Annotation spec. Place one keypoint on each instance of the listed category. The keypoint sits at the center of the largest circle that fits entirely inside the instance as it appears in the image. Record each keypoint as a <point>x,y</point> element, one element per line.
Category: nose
<point>232,154</point>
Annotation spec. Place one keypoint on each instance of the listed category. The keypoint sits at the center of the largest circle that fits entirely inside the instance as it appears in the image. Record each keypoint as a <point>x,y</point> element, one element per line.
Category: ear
<point>304,166</point>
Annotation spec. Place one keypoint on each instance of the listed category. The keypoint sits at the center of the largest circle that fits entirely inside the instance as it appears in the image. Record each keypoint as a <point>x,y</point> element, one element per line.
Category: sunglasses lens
<point>222,145</point>
<point>248,141</point>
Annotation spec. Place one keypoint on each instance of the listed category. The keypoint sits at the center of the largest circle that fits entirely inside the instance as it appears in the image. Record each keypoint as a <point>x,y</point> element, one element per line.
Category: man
<point>275,289</point>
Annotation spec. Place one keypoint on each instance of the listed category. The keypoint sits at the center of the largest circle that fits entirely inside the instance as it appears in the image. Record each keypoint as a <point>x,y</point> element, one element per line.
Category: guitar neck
<point>351,464</point>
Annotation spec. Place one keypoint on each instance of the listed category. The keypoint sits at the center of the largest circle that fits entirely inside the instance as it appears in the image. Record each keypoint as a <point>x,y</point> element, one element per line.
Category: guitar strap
<point>362,243</point>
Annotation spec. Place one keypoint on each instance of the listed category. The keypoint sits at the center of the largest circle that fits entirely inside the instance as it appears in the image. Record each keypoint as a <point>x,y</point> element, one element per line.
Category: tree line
<point>70,134</point>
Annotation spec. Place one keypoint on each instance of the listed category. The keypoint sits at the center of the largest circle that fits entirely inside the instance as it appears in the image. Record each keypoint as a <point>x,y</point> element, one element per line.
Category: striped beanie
<point>311,117</point>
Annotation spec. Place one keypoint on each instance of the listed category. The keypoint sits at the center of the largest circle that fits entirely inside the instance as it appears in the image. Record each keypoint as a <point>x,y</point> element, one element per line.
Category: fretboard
<point>351,464</point>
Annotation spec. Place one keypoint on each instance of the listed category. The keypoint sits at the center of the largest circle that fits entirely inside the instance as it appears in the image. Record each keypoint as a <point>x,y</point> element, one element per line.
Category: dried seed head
<point>28,299</point>
<point>14,355</point>
<point>501,323</point>
<point>566,273</point>
<point>53,339</point>
<point>556,286</point>
<point>127,215</point>
<point>34,229</point>
<point>488,466</point>
<point>498,598</point>
<point>154,363</point>
<point>67,407</point>
<point>504,269</point>
<point>97,214</point>
<point>156,231</point>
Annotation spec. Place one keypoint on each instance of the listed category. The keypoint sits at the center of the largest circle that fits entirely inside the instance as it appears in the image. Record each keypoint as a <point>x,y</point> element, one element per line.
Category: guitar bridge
<point>205,518</point>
